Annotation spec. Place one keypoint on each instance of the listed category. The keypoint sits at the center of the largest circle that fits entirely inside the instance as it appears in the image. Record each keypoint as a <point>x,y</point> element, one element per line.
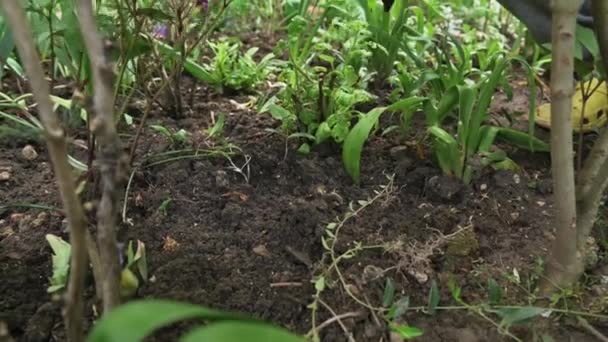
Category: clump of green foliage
<point>229,70</point>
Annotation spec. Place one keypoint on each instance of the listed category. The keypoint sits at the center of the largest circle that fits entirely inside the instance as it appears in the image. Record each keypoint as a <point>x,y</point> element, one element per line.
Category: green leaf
<point>399,308</point>
<point>161,129</point>
<point>455,289</point>
<point>468,96</point>
<point>304,149</point>
<point>7,45</point>
<point>61,262</point>
<point>389,292</point>
<point>320,284</point>
<point>495,292</point>
<point>586,38</point>
<point>406,332</point>
<point>447,151</point>
<point>141,261</point>
<point>407,104</point>
<point>323,132</point>
<point>523,140</point>
<point>218,127</point>
<point>433,297</point>
<point>189,65</point>
<point>353,144</point>
<point>511,316</point>
<point>135,320</point>
<point>279,112</point>
<point>128,119</point>
<point>487,137</point>
<point>239,331</point>
<point>446,104</point>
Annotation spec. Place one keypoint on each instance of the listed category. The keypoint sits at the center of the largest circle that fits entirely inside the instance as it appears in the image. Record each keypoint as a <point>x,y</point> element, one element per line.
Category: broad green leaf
<point>279,112</point>
<point>161,129</point>
<point>511,316</point>
<point>189,65</point>
<point>407,104</point>
<point>389,292</point>
<point>488,89</point>
<point>240,331</point>
<point>467,101</point>
<point>523,140</point>
<point>446,104</point>
<point>585,38</point>
<point>133,321</point>
<point>320,284</point>
<point>61,262</point>
<point>406,332</point>
<point>323,132</point>
<point>487,137</point>
<point>353,144</point>
<point>449,156</point>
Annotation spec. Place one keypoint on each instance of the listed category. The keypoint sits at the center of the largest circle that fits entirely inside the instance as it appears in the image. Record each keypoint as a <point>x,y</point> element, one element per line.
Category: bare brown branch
<point>56,143</point>
<point>594,176</point>
<point>111,157</point>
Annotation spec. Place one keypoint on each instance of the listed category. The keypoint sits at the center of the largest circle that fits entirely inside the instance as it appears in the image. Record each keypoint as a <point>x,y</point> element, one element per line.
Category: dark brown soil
<point>253,244</point>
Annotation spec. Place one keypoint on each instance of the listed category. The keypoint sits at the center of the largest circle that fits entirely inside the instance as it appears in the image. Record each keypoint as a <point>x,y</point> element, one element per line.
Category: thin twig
<point>348,335</point>
<point>590,329</point>
<point>286,284</point>
<point>336,318</point>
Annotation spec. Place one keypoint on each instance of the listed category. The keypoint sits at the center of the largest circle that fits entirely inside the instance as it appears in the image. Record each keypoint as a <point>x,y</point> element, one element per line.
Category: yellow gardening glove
<point>596,109</point>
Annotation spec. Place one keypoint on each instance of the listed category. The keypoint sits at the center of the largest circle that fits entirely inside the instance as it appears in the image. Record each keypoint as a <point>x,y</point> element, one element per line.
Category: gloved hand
<point>536,16</point>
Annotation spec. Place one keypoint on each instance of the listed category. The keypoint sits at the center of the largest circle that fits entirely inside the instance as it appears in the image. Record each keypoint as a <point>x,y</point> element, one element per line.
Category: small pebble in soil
<point>4,176</point>
<point>29,153</point>
<point>443,187</point>
<point>221,179</point>
<point>503,178</point>
<point>261,250</point>
<point>16,217</point>
<point>6,232</point>
<point>40,220</point>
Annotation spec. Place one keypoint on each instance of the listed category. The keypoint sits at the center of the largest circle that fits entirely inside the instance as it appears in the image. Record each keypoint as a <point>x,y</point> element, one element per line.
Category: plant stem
<point>112,159</point>
<point>56,142</point>
<point>564,264</point>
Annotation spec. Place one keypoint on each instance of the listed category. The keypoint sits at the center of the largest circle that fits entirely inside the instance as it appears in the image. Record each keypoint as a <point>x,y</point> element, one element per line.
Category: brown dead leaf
<point>243,197</point>
<point>261,250</point>
<point>169,244</point>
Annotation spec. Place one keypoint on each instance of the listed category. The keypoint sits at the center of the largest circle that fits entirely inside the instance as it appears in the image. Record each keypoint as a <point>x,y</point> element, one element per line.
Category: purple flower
<point>160,31</point>
<point>202,4</point>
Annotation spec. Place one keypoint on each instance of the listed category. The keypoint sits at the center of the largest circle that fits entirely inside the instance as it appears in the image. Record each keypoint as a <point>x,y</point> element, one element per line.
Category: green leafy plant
<point>229,70</point>
<point>387,26</point>
<point>176,139</point>
<point>356,138</point>
<point>472,146</point>
<point>134,321</point>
